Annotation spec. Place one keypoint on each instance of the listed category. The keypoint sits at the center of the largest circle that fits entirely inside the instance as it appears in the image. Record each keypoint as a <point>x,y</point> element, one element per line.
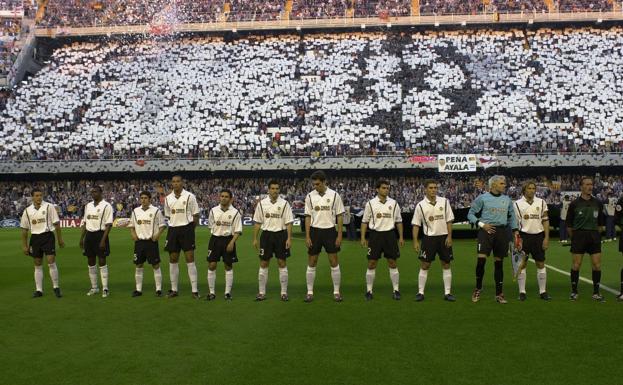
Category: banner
<point>71,222</point>
<point>487,161</point>
<point>422,159</point>
<point>457,163</point>
<point>8,223</point>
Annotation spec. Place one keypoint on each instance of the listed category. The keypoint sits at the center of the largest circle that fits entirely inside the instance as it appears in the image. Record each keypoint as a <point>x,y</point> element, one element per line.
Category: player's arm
<point>195,211</point>
<point>367,214</point>
<point>416,241</point>
<point>512,218</point>
<point>474,209</point>
<point>289,231</point>
<point>449,237</point>
<point>133,223</point>
<point>401,239</point>
<point>256,231</point>
<point>308,230</point>
<point>59,235</point>
<point>161,226</point>
<point>449,223</point>
<point>25,241</point>
<point>83,226</point>
<point>133,233</point>
<point>545,220</point>
<point>570,219</point>
<point>257,224</point>
<point>601,218</point>
<point>237,232</point>
<point>340,228</point>
<point>105,236</point>
<point>289,219</point>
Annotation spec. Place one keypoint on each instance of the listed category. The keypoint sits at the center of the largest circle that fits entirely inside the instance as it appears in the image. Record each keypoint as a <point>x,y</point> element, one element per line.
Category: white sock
<point>192,274</point>
<point>311,277</point>
<point>104,276</point>
<point>174,272</point>
<point>521,281</point>
<point>93,276</point>
<point>229,280</point>
<point>211,280</point>
<point>394,276</point>
<point>370,275</point>
<point>262,277</point>
<point>158,279</point>
<point>336,277</point>
<point>447,281</point>
<point>283,280</point>
<point>541,276</point>
<point>422,280</point>
<point>53,274</point>
<point>39,278</point>
<point>138,277</point>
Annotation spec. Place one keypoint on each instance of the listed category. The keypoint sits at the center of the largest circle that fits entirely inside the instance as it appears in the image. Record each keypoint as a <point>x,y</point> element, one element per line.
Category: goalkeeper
<point>533,220</point>
<point>494,214</point>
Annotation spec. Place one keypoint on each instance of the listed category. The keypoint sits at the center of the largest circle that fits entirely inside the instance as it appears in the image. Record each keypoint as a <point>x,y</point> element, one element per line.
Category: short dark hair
<point>34,190</point>
<point>177,176</point>
<point>525,186</point>
<point>382,182</point>
<point>428,182</point>
<point>146,193</point>
<point>319,175</point>
<point>273,182</point>
<point>97,187</point>
<point>227,191</point>
<point>585,178</point>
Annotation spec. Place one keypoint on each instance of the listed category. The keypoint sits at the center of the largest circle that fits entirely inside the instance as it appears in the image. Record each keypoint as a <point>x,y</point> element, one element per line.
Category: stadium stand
<point>340,93</point>
<point>71,196</point>
<point>367,8</point>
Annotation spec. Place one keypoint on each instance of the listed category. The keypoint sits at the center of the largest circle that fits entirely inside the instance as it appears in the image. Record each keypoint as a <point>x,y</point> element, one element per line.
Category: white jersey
<point>97,217</point>
<point>323,209</point>
<point>531,215</point>
<point>381,216</point>
<point>564,209</point>
<point>180,210</point>
<point>611,206</point>
<point>41,220</point>
<point>433,217</point>
<point>146,223</point>
<point>273,216</point>
<point>224,223</point>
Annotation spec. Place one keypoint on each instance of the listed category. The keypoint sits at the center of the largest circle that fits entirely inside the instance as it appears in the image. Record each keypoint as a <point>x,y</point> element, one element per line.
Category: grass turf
<point>149,340</point>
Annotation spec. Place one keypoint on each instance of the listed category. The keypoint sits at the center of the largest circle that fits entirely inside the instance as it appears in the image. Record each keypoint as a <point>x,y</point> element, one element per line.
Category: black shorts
<point>146,250</point>
<point>180,238</point>
<point>42,245</point>
<point>383,242</point>
<point>323,238</point>
<point>217,250</point>
<point>585,242</point>
<point>273,243</point>
<point>496,242</point>
<point>92,245</point>
<point>435,245</point>
<point>532,244</point>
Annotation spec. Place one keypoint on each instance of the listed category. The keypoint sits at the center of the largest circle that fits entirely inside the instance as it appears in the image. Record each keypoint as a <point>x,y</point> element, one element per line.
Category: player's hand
<point>545,244</point>
<point>102,246</point>
<point>416,246</point>
<point>134,238</point>
<point>155,238</point>
<point>82,244</point>
<point>288,243</point>
<point>308,242</point>
<point>448,242</point>
<point>230,247</point>
<point>488,228</point>
<point>401,242</point>
<point>338,240</point>
<point>256,245</point>
<point>26,250</point>
<point>61,243</point>
<point>364,242</point>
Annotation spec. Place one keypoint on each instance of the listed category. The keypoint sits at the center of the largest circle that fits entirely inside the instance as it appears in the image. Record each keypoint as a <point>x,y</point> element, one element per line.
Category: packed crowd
<point>10,5</point>
<point>10,30</point>
<point>390,8</point>
<point>583,5</point>
<point>330,94</point>
<point>71,196</point>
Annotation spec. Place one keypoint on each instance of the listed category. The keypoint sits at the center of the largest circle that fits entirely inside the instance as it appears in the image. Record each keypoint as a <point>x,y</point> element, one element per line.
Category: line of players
<point>497,216</point>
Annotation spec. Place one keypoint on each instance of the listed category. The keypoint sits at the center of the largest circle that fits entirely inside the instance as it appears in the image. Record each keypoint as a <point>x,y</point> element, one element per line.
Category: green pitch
<point>149,340</point>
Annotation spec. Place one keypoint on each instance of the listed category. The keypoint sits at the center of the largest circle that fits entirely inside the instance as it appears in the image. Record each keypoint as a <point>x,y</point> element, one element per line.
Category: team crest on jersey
<point>431,218</point>
<point>526,217</point>
<point>218,223</point>
<point>379,215</point>
<point>390,207</point>
<point>34,222</point>
<point>229,217</point>
<point>317,208</point>
<point>43,212</point>
<point>595,214</point>
<point>151,215</point>
<point>440,208</point>
<point>98,210</point>
<point>267,215</point>
<point>139,222</point>
<point>172,211</point>
<point>619,208</point>
<point>183,202</point>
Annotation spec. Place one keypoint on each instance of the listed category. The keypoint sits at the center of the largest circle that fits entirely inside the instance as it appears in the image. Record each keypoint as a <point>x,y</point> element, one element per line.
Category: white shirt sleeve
<point>288,216</point>
<point>54,214</point>
<point>257,215</point>
<point>84,214</point>
<point>397,214</point>
<point>133,219</point>
<point>237,225</point>
<point>193,206</point>
<point>108,217</point>
<point>308,206</point>
<point>367,214</point>
<point>160,220</point>
<point>545,212</point>
<point>449,213</point>
<point>417,216</point>
<point>167,209</point>
<point>339,205</point>
<point>25,223</point>
<point>211,219</point>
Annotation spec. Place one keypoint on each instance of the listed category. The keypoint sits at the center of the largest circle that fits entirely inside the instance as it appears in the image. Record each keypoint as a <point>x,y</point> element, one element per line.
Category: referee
<point>40,218</point>
<point>273,215</point>
<point>382,215</point>
<point>585,221</point>
<point>493,213</point>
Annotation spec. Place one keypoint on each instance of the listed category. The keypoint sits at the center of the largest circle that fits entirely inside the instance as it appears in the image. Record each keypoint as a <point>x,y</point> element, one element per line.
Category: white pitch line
<point>606,288</point>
